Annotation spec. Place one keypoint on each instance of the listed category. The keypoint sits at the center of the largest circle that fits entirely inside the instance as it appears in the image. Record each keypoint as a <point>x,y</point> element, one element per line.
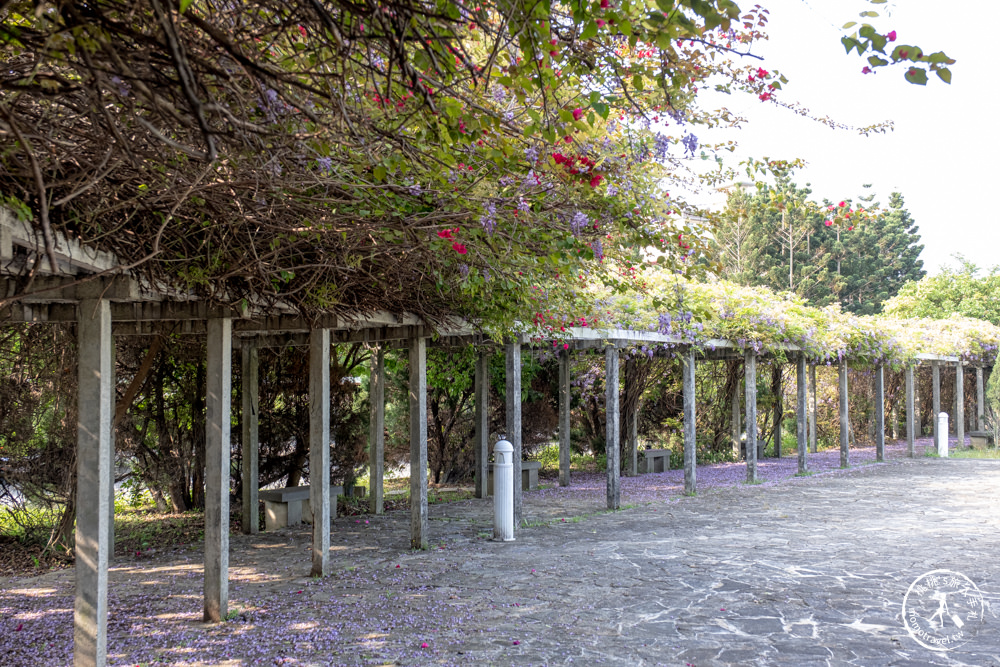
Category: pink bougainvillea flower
<point>577,113</point>
<point>20,626</point>
<point>567,138</point>
<point>891,36</point>
<point>398,566</point>
<point>596,180</point>
<point>553,53</point>
<point>459,248</point>
<point>601,23</point>
<point>445,233</point>
<point>828,223</point>
<point>425,645</point>
<point>559,158</point>
<point>302,30</point>
<point>516,642</point>
<point>851,228</point>
<point>842,204</point>
<point>866,70</point>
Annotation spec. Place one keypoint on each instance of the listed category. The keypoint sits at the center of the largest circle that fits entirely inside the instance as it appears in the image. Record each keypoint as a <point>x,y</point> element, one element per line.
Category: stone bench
<point>655,460</point>
<point>980,439</point>
<point>283,507</point>
<point>290,506</point>
<point>529,476</point>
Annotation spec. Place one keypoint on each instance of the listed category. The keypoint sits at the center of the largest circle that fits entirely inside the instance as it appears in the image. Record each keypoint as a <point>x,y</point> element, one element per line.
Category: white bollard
<point>503,492</point>
<point>942,443</point>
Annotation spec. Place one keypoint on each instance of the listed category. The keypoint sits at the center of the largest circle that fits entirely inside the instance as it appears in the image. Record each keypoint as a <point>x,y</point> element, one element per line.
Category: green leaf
<point>850,44</point>
<point>917,75</point>
<point>589,31</point>
<point>602,109</point>
<point>379,172</point>
<point>849,24</point>
<point>637,82</point>
<point>869,14</point>
<point>185,4</point>
<point>867,31</point>
<point>875,61</point>
<point>944,74</point>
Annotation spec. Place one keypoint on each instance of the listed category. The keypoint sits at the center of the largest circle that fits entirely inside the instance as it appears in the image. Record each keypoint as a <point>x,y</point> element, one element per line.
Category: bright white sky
<point>942,155</point>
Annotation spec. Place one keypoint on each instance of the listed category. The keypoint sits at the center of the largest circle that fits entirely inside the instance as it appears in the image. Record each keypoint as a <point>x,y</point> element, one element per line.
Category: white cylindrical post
<point>503,492</point>
<point>942,443</point>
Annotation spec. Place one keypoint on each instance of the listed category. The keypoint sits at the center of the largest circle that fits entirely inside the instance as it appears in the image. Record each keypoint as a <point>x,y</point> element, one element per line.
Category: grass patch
<point>993,454</point>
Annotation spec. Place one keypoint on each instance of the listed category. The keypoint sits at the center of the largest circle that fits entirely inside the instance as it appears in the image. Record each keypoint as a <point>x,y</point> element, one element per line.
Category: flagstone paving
<point>805,571</point>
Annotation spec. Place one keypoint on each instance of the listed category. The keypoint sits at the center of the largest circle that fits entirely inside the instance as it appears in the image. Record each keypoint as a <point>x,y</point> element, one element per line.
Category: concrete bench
<point>283,507</point>
<point>529,476</point>
<point>980,439</point>
<point>656,460</point>
<point>290,506</point>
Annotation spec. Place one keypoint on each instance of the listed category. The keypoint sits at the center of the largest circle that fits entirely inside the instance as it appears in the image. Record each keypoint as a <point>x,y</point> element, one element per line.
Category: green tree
<point>963,290</point>
<point>880,255</point>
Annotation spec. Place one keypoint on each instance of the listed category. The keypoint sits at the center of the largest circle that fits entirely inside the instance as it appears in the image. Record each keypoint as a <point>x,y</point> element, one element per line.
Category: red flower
<point>302,30</point>
<point>559,158</point>
<point>596,180</point>
<point>553,53</point>
<point>764,97</point>
<point>828,223</point>
<point>445,233</point>
<point>891,36</point>
<point>851,228</point>
<point>567,138</point>
<point>841,204</point>
<point>577,113</point>
<point>601,22</point>
<point>459,248</point>
<point>604,4</point>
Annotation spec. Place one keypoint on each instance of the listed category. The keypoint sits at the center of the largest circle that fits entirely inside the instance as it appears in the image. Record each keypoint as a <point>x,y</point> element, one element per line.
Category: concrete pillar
<point>631,462</point>
<point>801,409</point>
<point>737,428</point>
<point>690,416</point>
<point>960,404</point>
<point>111,456</point>
<point>911,422</point>
<point>942,439</point>
<point>93,433</point>
<point>980,402</point>
<point>632,433</point>
<point>612,448</point>
<point>564,405</point>
<point>482,424</point>
<point>512,352</point>
<point>418,443</point>
<point>249,367</point>
<point>319,449</point>
<point>750,380</point>
<point>936,398</point>
<point>845,423</point>
<point>376,431</point>
<point>503,492</point>
<point>218,396</point>
<point>879,414</point>
<point>779,408</point>
<point>813,409</point>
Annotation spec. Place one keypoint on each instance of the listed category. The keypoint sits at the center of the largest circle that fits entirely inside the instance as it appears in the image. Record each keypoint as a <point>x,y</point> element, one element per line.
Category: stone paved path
<point>809,572</point>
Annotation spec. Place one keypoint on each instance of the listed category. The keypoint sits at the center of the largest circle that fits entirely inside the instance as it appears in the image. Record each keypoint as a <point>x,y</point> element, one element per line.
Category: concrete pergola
<point>83,289</point>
